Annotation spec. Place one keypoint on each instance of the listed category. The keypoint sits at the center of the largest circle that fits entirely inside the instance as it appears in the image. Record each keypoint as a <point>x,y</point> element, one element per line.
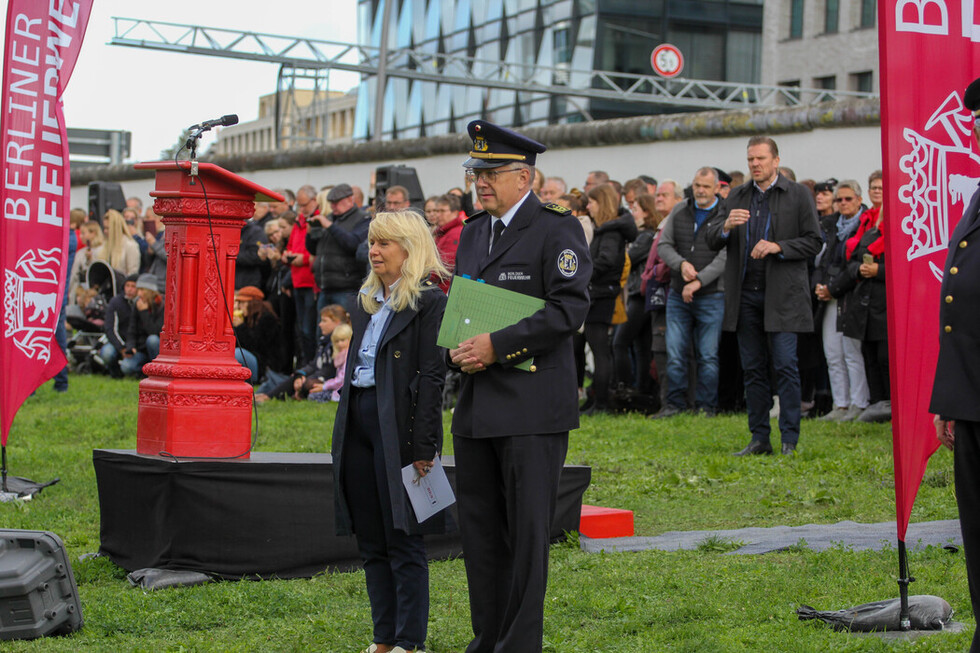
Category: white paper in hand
<point>430,493</point>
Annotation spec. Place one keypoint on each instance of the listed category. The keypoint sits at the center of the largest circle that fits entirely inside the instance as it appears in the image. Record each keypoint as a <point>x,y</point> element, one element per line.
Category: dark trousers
<point>508,487</point>
<point>306,323</point>
<point>395,567</point>
<point>875,354</point>
<point>634,336</point>
<point>966,464</point>
<point>756,348</point>
<point>597,335</point>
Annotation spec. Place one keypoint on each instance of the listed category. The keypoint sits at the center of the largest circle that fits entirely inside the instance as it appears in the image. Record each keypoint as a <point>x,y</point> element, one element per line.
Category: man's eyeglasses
<point>846,199</point>
<point>489,176</point>
<point>876,188</point>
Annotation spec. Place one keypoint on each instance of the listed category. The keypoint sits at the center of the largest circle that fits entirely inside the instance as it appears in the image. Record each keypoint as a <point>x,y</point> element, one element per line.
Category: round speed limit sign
<point>667,60</point>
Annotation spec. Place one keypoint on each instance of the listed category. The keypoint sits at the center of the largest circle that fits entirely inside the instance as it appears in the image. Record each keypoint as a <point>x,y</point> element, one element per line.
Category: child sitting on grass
<point>328,390</point>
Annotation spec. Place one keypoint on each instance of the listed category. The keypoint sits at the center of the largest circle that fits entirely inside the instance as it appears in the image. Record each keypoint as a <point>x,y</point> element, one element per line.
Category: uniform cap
<point>495,146</point>
<point>971,96</point>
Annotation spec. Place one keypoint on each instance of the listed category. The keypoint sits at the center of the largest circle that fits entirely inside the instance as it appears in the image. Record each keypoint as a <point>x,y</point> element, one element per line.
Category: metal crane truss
<point>415,64</point>
<point>298,124</point>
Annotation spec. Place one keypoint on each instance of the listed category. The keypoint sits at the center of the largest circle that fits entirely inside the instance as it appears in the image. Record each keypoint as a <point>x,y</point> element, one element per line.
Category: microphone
<point>223,121</point>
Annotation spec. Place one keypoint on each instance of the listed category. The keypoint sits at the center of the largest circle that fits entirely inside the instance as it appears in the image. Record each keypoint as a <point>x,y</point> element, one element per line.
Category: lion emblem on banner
<point>933,191</point>
<point>30,295</point>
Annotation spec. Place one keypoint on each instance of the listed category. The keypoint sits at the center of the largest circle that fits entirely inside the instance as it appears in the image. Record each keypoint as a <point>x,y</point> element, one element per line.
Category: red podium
<point>195,401</point>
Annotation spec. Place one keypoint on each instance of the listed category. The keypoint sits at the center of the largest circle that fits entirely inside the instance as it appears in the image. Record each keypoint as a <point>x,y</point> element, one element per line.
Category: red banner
<point>41,46</point>
<point>929,53</point>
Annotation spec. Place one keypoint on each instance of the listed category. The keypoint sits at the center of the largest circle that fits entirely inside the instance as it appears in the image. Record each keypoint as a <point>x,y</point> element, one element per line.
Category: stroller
<point>88,322</point>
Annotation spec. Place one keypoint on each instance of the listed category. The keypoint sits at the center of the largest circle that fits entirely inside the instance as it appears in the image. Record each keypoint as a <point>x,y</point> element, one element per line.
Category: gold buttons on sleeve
<point>954,270</point>
<point>533,368</point>
<point>524,351</point>
<point>962,244</point>
<point>949,299</point>
<point>948,329</point>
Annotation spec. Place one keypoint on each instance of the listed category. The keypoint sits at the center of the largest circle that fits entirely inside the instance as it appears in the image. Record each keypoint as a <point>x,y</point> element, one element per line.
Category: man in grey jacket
<point>770,230</point>
<point>696,303</point>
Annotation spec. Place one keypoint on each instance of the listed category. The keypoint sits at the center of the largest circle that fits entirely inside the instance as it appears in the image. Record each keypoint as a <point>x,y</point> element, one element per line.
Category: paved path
<point>818,537</point>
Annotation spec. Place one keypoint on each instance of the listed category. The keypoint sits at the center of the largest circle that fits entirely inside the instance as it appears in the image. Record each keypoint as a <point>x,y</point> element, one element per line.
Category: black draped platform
<point>268,516</point>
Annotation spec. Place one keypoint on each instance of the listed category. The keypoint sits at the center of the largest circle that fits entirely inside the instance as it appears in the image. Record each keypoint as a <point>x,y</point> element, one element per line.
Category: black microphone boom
<point>223,121</point>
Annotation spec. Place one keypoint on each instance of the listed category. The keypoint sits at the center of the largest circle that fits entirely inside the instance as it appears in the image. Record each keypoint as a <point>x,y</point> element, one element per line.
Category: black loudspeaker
<point>38,594</point>
<point>102,196</point>
<point>387,176</point>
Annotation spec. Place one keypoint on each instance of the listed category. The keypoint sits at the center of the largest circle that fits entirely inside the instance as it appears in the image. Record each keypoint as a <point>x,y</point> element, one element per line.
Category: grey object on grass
<point>926,612</point>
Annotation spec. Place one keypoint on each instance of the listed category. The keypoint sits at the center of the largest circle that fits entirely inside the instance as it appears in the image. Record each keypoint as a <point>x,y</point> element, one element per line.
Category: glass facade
<point>720,40</point>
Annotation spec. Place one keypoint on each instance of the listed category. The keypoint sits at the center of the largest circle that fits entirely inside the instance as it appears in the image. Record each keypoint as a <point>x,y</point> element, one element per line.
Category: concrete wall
<point>842,152</point>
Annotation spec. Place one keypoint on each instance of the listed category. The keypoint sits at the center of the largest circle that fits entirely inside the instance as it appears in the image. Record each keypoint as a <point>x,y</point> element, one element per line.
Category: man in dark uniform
<point>510,426</point>
<point>956,390</point>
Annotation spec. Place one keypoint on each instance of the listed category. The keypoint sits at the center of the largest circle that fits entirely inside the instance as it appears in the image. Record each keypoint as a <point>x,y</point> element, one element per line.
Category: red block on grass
<point>598,522</point>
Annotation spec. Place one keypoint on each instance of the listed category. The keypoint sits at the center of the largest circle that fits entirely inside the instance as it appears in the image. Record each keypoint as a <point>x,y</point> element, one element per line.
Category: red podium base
<point>208,418</point>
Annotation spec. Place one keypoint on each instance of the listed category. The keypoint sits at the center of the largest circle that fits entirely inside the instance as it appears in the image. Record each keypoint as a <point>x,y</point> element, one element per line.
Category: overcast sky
<point>156,94</point>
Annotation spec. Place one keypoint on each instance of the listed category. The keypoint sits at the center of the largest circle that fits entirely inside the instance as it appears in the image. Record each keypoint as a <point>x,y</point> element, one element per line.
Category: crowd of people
<point>730,291</point>
<point>655,335</point>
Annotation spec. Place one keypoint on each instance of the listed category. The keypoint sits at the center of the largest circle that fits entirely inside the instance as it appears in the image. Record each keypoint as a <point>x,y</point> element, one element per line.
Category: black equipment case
<point>38,594</point>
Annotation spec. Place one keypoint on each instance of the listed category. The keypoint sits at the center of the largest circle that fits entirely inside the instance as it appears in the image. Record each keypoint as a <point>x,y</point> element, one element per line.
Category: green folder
<point>475,307</point>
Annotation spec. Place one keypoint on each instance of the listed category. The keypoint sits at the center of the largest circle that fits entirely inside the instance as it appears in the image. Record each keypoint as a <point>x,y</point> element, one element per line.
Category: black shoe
<point>667,411</point>
<point>756,448</point>
<point>788,449</point>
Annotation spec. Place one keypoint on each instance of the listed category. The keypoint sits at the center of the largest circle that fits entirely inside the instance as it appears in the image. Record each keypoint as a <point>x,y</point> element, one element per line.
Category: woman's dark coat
<point>409,372</point>
<point>863,315</point>
<point>608,251</point>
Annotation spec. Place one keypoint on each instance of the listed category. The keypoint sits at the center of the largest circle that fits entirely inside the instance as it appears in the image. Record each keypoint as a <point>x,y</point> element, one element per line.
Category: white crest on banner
<point>30,295</point>
<point>932,192</point>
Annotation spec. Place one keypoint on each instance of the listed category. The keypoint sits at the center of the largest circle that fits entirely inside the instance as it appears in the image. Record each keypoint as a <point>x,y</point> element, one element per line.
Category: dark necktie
<point>498,228</point>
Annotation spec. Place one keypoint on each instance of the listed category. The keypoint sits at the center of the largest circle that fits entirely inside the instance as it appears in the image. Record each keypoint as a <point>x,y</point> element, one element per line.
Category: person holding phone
<point>862,287</point>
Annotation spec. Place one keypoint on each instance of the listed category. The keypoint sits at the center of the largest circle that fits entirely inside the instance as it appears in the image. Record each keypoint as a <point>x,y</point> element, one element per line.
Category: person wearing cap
<point>334,240</point>
<point>258,333</point>
<point>510,426</point>
<point>825,197</point>
<point>771,233</point>
<point>118,314</point>
<point>143,335</point>
<point>956,389</point>
<point>724,183</point>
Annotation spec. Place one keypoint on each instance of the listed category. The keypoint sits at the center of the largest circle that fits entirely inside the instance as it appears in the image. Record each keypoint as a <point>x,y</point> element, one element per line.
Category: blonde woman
<point>390,416</point>
<point>120,249</point>
<point>91,248</point>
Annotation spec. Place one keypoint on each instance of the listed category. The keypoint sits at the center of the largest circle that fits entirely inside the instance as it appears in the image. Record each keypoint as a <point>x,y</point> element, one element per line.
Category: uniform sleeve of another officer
<point>566,269</point>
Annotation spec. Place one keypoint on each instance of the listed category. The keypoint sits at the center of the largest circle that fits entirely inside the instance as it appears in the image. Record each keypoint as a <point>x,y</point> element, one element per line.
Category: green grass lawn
<point>675,474</point>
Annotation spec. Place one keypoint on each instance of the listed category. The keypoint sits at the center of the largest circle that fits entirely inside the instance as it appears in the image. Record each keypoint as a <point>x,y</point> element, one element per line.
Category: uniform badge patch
<point>480,144</point>
<point>568,263</point>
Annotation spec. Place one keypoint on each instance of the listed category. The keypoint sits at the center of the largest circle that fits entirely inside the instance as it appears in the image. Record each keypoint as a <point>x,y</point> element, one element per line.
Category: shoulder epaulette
<point>556,208</point>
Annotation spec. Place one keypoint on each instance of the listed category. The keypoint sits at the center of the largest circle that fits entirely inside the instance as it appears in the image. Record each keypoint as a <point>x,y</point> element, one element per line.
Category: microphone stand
<point>191,145</point>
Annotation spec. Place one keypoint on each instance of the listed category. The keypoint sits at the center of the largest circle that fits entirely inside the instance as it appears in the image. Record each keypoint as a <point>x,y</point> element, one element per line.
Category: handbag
<point>656,296</point>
